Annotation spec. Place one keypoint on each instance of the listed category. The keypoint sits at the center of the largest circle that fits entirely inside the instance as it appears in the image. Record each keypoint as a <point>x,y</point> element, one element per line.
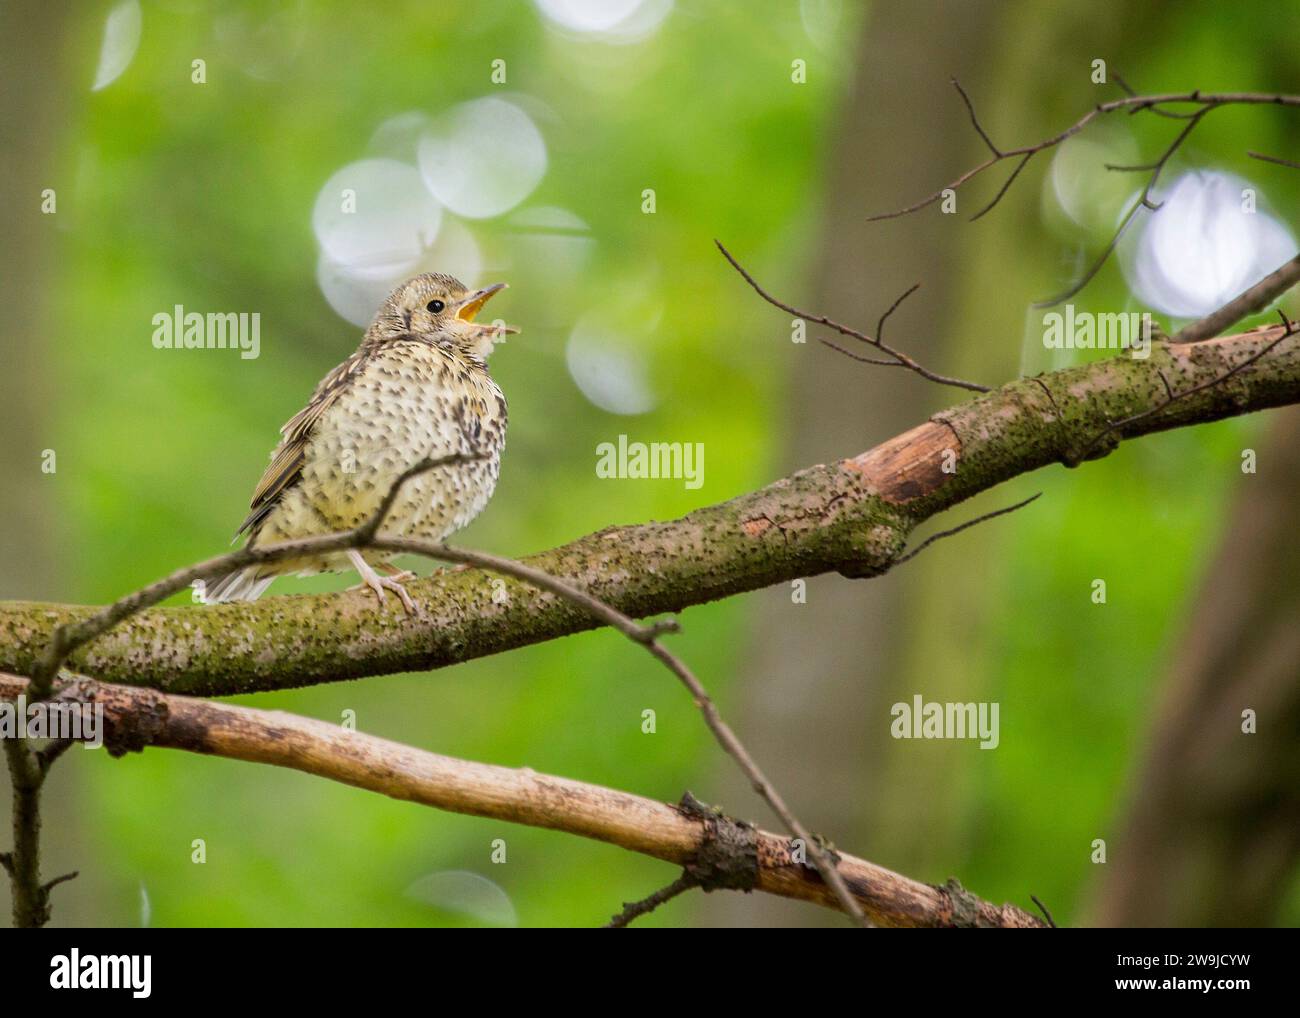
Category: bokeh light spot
<point>121,40</point>
<point>483,158</point>
<point>375,217</point>
<point>1203,247</point>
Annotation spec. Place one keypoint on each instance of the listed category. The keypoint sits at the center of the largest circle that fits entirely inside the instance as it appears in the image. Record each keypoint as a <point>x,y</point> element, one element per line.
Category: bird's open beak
<point>472,304</point>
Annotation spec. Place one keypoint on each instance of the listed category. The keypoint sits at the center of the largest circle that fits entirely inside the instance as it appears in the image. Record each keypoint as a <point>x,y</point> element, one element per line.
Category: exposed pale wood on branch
<point>852,516</point>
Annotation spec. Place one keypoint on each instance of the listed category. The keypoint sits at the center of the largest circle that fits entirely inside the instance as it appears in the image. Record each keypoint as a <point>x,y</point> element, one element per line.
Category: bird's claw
<point>381,583</point>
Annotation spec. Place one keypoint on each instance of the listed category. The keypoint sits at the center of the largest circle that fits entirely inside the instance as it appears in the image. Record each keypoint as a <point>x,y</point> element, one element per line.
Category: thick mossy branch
<point>853,516</point>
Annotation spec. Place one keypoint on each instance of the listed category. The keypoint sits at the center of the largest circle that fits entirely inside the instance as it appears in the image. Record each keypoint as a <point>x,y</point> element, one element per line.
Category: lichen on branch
<point>853,516</point>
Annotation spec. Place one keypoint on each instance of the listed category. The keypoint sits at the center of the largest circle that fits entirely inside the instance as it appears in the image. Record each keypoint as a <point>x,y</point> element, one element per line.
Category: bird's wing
<point>286,463</point>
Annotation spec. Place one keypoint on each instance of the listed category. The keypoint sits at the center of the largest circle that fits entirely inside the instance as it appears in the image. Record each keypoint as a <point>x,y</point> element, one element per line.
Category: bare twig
<point>47,756</point>
<point>1253,299</point>
<point>636,909</point>
<point>965,526</point>
<point>28,768</point>
<point>1132,103</point>
<point>1043,908</point>
<point>878,495</point>
<point>1274,159</point>
<point>69,637</point>
<point>1142,201</point>
<point>975,121</point>
<point>900,359</point>
<point>647,637</point>
<point>1153,109</point>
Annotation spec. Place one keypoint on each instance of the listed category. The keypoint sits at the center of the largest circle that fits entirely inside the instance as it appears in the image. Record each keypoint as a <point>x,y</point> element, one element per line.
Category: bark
<point>718,851</point>
<point>852,516</point>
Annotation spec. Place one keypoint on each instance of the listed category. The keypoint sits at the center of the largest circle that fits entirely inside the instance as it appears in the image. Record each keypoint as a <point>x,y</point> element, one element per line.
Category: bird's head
<point>440,309</point>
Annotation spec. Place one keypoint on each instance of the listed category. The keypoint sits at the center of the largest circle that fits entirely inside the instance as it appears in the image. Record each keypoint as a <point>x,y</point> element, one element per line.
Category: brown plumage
<point>417,386</point>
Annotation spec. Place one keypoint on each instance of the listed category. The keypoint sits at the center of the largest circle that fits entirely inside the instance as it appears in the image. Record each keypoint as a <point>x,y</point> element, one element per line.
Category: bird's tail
<point>245,584</point>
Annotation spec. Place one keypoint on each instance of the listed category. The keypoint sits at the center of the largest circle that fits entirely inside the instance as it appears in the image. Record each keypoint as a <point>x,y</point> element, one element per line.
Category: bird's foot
<point>379,584</point>
<point>382,583</point>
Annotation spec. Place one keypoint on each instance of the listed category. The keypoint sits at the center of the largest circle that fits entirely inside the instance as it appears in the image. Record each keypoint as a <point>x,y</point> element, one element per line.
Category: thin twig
<point>69,638</point>
<point>1043,908</point>
<point>647,637</point>
<point>1131,102</point>
<point>1134,103</point>
<point>900,359</point>
<point>1251,300</point>
<point>900,471</point>
<point>1274,159</point>
<point>30,900</point>
<point>28,768</point>
<point>1142,201</point>
<point>49,885</point>
<point>636,909</point>
<point>970,108</point>
<point>965,526</point>
<point>47,756</point>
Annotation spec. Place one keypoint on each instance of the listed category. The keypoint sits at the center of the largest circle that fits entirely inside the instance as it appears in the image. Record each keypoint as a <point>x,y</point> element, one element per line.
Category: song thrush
<point>417,386</point>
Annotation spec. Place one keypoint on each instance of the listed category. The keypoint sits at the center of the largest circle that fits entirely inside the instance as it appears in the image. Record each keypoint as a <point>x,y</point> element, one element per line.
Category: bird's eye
<point>435,306</point>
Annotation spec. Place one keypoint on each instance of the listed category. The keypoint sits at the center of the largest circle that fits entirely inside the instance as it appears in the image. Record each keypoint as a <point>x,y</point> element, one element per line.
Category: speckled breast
<point>414,399</point>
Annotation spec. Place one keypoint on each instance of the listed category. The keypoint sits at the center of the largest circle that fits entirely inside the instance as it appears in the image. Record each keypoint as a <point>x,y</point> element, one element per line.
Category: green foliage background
<point>172,192</point>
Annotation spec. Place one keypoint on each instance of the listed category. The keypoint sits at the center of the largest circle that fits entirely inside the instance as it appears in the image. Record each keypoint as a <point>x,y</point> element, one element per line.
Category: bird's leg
<point>379,583</point>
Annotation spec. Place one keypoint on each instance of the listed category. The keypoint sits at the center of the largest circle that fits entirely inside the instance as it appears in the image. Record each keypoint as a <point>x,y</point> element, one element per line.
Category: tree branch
<point>899,359</point>
<point>31,899</point>
<point>852,516</point>
<point>1288,330</point>
<point>70,636</point>
<point>1203,103</point>
<point>648,637</point>
<point>1131,103</point>
<point>1278,160</point>
<point>1250,301</point>
<point>635,909</point>
<point>135,718</point>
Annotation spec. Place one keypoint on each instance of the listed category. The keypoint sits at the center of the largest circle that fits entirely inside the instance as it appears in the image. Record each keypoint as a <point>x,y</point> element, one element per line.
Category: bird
<point>416,388</point>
